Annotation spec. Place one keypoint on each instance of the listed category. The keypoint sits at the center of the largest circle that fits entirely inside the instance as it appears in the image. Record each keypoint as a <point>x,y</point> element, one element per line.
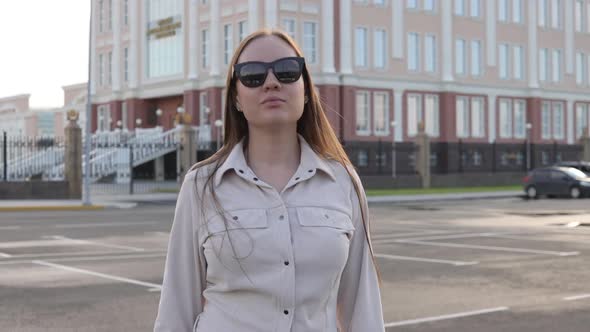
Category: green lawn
<point>451,190</point>
<point>411,191</point>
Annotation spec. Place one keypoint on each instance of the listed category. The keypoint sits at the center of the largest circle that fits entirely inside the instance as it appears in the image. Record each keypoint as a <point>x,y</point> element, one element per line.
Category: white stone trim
<point>214,40</point>
<point>447,41</point>
<point>569,37</point>
<point>492,117</point>
<point>491,32</point>
<point>397,28</point>
<point>327,31</point>
<point>532,67</point>
<point>92,56</point>
<point>310,8</point>
<point>570,121</point>
<point>346,37</point>
<point>252,16</point>
<point>398,114</point>
<point>116,64</point>
<point>193,39</point>
<point>270,14</point>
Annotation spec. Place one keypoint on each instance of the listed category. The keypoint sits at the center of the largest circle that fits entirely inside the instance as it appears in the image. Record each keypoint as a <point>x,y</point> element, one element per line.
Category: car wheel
<point>531,192</point>
<point>575,192</point>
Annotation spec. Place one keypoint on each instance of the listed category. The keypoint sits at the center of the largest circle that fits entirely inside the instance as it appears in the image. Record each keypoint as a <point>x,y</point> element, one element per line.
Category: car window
<point>557,175</point>
<point>575,173</point>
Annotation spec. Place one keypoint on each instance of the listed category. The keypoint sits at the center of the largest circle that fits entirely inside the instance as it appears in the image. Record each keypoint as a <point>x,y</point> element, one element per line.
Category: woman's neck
<point>273,149</point>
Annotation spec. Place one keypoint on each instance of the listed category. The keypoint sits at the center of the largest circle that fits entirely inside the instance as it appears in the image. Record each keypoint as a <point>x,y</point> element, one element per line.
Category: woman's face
<point>273,105</point>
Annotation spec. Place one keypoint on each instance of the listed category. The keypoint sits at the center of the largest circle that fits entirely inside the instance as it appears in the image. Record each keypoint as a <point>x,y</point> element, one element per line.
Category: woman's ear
<point>238,106</point>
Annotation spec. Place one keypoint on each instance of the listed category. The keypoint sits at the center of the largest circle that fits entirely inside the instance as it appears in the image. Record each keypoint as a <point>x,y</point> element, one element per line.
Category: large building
<point>499,85</point>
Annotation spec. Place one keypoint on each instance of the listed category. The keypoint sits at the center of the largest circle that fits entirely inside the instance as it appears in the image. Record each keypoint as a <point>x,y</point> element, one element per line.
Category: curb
<point>441,198</point>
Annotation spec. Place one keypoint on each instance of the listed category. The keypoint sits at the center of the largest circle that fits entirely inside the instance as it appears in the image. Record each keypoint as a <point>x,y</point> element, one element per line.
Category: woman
<point>270,233</point>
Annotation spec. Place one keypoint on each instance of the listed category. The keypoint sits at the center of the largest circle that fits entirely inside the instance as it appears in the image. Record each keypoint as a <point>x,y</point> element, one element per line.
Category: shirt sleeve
<point>181,298</point>
<point>359,298</point>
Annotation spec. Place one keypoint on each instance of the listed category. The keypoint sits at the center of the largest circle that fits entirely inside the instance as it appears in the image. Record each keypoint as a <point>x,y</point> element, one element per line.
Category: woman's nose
<point>271,81</point>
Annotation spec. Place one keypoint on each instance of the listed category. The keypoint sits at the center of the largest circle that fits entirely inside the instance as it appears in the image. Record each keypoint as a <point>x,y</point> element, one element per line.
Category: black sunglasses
<point>253,73</point>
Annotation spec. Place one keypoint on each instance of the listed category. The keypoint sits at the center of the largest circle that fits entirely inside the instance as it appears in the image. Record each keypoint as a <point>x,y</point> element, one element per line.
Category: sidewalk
<point>100,202</point>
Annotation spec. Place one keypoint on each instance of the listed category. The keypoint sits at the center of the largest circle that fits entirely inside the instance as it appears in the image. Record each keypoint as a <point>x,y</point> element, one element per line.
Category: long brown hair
<point>313,126</point>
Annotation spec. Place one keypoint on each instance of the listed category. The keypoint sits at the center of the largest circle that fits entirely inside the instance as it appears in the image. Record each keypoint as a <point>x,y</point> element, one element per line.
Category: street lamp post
<point>218,124</point>
<point>138,122</point>
<point>529,126</point>
<point>393,157</point>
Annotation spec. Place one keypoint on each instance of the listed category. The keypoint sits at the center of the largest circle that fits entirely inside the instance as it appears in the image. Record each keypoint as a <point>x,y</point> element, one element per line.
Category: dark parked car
<point>583,166</point>
<point>556,181</point>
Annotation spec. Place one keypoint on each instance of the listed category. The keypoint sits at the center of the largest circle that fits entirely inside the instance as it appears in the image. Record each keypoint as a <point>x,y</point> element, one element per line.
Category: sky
<point>43,46</point>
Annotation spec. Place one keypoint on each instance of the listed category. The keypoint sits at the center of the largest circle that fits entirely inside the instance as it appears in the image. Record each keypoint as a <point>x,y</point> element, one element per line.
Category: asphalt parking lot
<point>476,265</point>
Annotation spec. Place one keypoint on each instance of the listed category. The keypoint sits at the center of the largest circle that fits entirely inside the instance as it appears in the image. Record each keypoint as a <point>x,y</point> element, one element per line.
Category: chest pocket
<point>237,220</point>
<point>327,218</point>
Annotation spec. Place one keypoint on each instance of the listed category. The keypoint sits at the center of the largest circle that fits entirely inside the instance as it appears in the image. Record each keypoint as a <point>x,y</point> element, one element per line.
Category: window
<point>126,64</point>
<point>289,26</point>
<point>101,16</point>
<point>431,115</point>
<point>503,10</point>
<point>309,41</point>
<point>242,30</point>
<point>556,66</point>
<point>381,113</point>
<point>110,15</point>
<point>413,51</point>
<point>558,120</point>
<point>580,69</point>
<point>474,8</point>
<point>460,56</point>
<point>203,109</point>
<point>380,52</point>
<point>110,68</point>
<point>579,15</point>
<point>227,43</point>
<point>363,158</point>
<point>581,120</point>
<point>414,107</point>
<point>126,12</point>
<point>205,48</point>
<point>518,63</point>
<point>362,113</point>
<point>429,5</point>
<point>546,120</point>
<point>543,64</point>
<point>519,118</point>
<point>462,114</point>
<point>477,117</point>
<point>413,4</point>
<point>505,118</point>
<point>543,12</point>
<point>379,2</point>
<point>588,16</point>
<point>430,53</point>
<point>556,14</point>
<point>517,11</point>
<point>459,7</point>
<point>503,70</point>
<point>475,57</point>
<point>104,118</point>
<point>360,57</point>
<point>100,70</point>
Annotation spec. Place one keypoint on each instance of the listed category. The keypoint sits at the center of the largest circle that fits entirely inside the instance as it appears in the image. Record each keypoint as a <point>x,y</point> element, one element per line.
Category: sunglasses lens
<point>287,71</point>
<point>252,75</point>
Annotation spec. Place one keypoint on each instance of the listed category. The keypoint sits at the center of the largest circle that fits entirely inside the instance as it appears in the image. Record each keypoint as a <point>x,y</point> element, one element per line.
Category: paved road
<point>479,265</point>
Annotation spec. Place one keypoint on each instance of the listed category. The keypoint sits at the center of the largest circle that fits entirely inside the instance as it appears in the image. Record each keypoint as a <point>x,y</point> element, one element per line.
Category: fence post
<point>4,156</point>
<point>423,156</point>
<point>73,156</point>
<point>130,168</point>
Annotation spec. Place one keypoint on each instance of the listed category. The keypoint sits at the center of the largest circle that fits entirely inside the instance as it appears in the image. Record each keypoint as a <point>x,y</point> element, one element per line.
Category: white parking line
<point>444,317</point>
<point>576,297</point>
<point>57,254</point>
<point>95,243</point>
<point>107,256</point>
<point>427,260</point>
<point>3,255</point>
<point>102,275</point>
<point>101,258</point>
<point>407,234</point>
<point>109,224</point>
<point>507,249</point>
<point>446,237</point>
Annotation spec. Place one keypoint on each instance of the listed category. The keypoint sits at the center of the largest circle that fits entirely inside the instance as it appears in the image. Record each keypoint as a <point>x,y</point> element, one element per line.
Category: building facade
<point>499,85</point>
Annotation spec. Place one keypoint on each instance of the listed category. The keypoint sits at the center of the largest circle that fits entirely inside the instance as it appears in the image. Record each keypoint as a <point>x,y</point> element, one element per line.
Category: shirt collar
<point>309,163</point>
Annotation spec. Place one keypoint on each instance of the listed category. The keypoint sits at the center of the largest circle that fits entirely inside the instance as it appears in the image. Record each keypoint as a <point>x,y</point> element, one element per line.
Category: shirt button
<point>255,179</point>
<point>310,171</point>
<point>296,179</point>
<point>241,171</point>
<point>286,312</point>
<point>286,263</point>
<point>281,217</point>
